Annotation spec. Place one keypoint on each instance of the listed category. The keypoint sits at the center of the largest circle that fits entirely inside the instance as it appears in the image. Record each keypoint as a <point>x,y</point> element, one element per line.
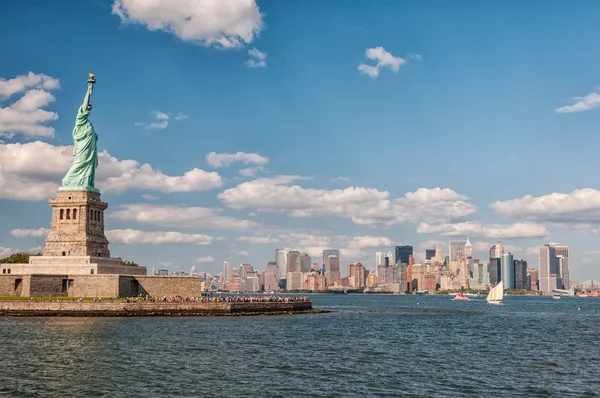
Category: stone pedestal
<point>77,227</point>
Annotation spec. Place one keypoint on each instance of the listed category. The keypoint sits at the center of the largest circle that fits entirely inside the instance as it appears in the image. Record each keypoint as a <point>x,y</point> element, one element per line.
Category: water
<point>388,346</point>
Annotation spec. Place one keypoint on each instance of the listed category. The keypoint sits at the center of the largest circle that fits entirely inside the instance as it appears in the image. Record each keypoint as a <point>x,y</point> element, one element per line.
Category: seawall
<point>86,308</point>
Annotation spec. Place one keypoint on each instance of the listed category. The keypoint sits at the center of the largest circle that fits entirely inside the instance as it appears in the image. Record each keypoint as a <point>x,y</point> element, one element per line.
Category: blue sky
<point>469,98</point>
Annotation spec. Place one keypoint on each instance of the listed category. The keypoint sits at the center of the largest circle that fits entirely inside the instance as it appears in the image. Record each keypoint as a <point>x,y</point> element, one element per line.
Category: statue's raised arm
<point>82,173</point>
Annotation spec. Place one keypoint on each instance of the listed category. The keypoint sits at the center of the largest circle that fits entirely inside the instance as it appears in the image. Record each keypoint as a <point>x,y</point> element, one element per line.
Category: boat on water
<point>496,294</point>
<point>461,297</point>
<point>556,296</point>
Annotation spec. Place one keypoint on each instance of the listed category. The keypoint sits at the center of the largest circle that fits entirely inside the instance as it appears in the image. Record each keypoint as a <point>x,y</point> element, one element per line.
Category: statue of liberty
<point>82,173</point>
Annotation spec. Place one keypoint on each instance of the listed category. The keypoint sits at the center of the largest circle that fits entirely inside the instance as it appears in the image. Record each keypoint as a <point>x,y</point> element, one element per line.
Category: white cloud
<point>364,206</point>
<point>181,116</point>
<point>5,251</point>
<point>226,159</point>
<point>250,172</point>
<point>243,253</point>
<point>148,197</point>
<point>161,123</point>
<point>470,228</point>
<point>579,206</point>
<point>384,60</point>
<point>351,248</point>
<point>26,116</point>
<point>260,60</point>
<point>205,260</point>
<point>340,178</point>
<point>22,177</point>
<point>219,23</point>
<point>590,101</point>
<point>136,237</point>
<point>180,216</point>
<point>21,233</point>
<point>161,115</point>
<point>258,239</point>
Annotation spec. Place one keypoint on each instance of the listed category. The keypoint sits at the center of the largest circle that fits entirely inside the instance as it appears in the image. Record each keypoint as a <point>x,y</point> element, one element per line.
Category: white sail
<point>496,293</point>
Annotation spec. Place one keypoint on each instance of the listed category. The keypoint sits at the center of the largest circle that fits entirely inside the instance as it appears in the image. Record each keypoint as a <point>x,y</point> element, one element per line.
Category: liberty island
<point>76,260</point>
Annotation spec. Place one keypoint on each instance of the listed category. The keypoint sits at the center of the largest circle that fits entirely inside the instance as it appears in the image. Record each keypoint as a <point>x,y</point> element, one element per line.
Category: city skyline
<point>241,140</point>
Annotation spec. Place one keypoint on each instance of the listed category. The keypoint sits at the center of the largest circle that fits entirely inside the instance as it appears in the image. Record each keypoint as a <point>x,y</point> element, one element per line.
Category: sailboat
<point>496,294</point>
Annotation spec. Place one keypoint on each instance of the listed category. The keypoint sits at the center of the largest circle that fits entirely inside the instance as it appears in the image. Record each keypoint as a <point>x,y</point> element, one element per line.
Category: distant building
<point>330,252</point>
<point>532,279</point>
<point>468,249</point>
<point>226,273</point>
<point>439,252</point>
<point>495,271</point>
<point>429,254</point>
<point>271,277</point>
<point>562,254</point>
<point>295,280</point>
<point>508,271</point>
<point>379,258</point>
<point>293,261</point>
<point>403,254</point>
<point>332,269</point>
<point>305,263</point>
<point>497,250</point>
<point>456,250</point>
<point>520,274</point>
<point>548,265</point>
<point>281,260</point>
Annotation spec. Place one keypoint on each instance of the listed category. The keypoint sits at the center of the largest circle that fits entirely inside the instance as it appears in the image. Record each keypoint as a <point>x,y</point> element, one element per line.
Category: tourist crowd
<point>209,298</point>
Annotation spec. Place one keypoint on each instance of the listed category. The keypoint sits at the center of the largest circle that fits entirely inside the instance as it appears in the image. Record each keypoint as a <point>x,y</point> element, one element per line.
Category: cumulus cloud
<point>22,177</point>
<point>250,172</point>
<point>586,103</point>
<point>259,59</point>
<point>226,159</point>
<point>25,116</point>
<point>364,206</point>
<point>205,259</point>
<point>36,233</point>
<point>180,216</point>
<point>470,228</point>
<point>579,206</point>
<point>181,116</point>
<point>5,251</point>
<point>352,248</point>
<point>258,239</point>
<point>384,60</point>
<point>136,237</point>
<point>219,23</point>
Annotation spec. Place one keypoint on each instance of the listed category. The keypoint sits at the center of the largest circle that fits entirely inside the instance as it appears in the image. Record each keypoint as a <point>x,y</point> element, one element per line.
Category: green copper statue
<point>82,173</point>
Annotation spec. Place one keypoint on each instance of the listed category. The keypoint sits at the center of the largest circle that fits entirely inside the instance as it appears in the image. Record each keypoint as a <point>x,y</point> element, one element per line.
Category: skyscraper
<point>226,270</point>
<point>562,254</point>
<point>548,265</point>
<point>508,271</point>
<point>379,258</point>
<point>497,250</point>
<point>305,263</point>
<point>439,252</point>
<point>271,277</point>
<point>293,261</point>
<point>330,252</point>
<point>403,253</point>
<point>456,250</point>
<point>468,249</point>
<point>430,254</point>
<point>495,271</point>
<point>281,260</point>
<point>390,258</point>
<point>521,274</point>
<point>332,269</point>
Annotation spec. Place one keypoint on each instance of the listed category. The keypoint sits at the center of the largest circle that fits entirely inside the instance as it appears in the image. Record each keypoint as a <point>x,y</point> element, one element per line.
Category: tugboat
<point>461,297</point>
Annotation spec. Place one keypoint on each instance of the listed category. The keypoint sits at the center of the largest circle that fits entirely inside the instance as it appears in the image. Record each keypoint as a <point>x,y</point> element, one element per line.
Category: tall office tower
<point>226,275</point>
<point>281,260</point>
<point>508,271</point>
<point>548,266</point>
<point>468,249</point>
<point>532,278</point>
<point>293,261</point>
<point>381,274</point>
<point>359,273</point>
<point>245,269</point>
<point>497,250</point>
<point>390,258</point>
<point>495,271</point>
<point>271,276</point>
<point>521,274</point>
<point>439,252</point>
<point>330,252</point>
<point>305,262</point>
<point>562,253</point>
<point>430,254</point>
<point>402,254</point>
<point>350,270</point>
<point>332,269</point>
<point>456,250</point>
<point>379,258</point>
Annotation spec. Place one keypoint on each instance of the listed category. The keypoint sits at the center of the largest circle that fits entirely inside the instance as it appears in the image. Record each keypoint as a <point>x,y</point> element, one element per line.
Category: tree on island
<point>18,258</point>
<point>130,263</point>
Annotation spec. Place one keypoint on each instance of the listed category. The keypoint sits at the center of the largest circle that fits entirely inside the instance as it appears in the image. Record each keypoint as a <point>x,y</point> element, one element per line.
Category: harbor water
<point>369,345</point>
